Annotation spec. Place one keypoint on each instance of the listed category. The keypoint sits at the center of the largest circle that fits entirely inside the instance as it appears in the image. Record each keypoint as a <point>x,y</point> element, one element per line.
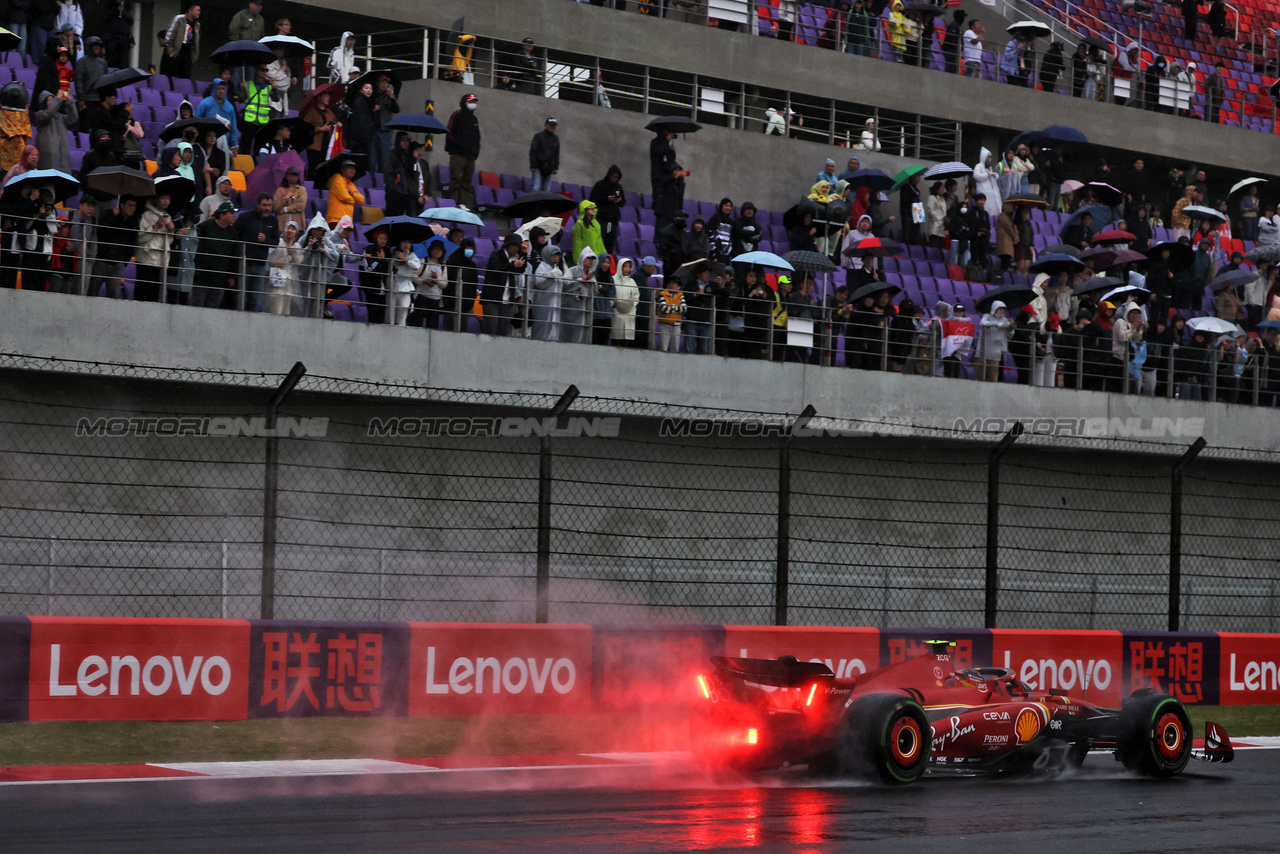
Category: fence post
<point>270,491</point>
<point>1175,532</point>
<point>993,523</point>
<point>543,579</point>
<point>782,576</point>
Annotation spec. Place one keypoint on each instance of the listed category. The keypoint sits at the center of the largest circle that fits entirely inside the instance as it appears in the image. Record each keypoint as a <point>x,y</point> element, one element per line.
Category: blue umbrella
<point>764,259</point>
<point>455,215</point>
<point>421,249</point>
<point>1101,217</point>
<point>402,228</point>
<point>872,178</point>
<point>1053,133</point>
<point>64,186</point>
<point>1270,324</point>
<point>420,122</point>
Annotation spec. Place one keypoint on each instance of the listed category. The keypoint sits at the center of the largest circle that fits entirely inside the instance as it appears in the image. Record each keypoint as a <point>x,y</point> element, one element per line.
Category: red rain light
<point>812,690</point>
<point>702,683</point>
<point>753,737</point>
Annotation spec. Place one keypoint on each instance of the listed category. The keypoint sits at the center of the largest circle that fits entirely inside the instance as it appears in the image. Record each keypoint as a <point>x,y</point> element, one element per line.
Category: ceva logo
<point>125,674</point>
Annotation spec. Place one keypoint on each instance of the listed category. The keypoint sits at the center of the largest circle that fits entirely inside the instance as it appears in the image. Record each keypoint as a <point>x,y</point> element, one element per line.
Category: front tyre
<point>884,736</point>
<point>1155,735</point>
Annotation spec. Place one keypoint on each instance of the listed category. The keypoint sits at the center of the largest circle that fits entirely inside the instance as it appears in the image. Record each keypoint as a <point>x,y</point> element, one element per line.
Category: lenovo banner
<point>1184,665</point>
<point>476,669</point>
<point>318,669</point>
<point>1084,665</point>
<point>15,663</point>
<point>972,647</point>
<point>848,652</point>
<point>115,669</point>
<point>1249,666</point>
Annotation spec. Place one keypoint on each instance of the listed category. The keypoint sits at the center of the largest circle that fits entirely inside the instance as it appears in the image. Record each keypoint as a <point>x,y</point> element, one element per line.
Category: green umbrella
<point>905,175</point>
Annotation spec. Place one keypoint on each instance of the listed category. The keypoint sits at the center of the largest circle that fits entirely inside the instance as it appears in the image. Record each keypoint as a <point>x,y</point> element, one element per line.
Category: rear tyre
<point>885,737</point>
<point>1155,735</point>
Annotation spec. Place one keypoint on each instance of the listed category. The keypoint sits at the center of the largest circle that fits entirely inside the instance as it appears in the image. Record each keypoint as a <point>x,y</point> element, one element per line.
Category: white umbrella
<point>549,224</point>
<point>1032,29</point>
<point>1212,325</point>
<point>455,215</point>
<point>1201,212</point>
<point>1124,292</point>
<point>954,169</point>
<point>1247,182</point>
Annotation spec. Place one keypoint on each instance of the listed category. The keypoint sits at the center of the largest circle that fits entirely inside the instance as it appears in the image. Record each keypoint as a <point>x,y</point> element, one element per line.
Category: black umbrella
<point>1053,264</point>
<point>873,179</point>
<point>1100,44</point>
<point>243,52</point>
<point>1013,296</point>
<point>1230,280</point>
<point>673,124</point>
<point>1063,249</point>
<point>1105,193</point>
<point>402,228</point>
<point>922,8</point>
<point>174,129</point>
<point>325,171</point>
<point>418,122</point>
<point>455,33</point>
<point>874,288</point>
<point>120,181</point>
<point>809,262</point>
<point>793,215</point>
<point>1027,200</point>
<point>1181,255</point>
<point>1097,283</point>
<point>687,273</point>
<point>180,191</point>
<point>124,77</point>
<point>300,133</point>
<point>532,205</point>
<point>371,77</point>
<point>293,47</point>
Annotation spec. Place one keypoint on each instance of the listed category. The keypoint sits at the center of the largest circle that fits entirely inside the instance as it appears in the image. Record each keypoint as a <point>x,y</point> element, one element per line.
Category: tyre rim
<point>1170,737</point>
<point>905,741</point>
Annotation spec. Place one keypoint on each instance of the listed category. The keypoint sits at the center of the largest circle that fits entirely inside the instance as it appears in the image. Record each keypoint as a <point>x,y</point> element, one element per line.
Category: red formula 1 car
<point>897,722</point>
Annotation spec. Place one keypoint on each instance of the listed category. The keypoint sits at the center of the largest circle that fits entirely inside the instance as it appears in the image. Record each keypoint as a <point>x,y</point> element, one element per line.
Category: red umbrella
<point>335,91</point>
<point>1106,238</point>
<point>875,247</point>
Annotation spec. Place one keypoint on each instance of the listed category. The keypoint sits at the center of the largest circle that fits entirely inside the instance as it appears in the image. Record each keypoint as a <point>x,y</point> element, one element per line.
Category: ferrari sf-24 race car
<point>921,714</point>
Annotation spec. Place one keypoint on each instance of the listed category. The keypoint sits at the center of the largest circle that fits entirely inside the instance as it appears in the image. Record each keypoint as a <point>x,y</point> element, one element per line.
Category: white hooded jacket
<point>342,61</point>
<point>987,181</point>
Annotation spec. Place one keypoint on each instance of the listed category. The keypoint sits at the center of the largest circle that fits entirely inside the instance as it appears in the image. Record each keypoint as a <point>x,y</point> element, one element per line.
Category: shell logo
<point>1027,725</point>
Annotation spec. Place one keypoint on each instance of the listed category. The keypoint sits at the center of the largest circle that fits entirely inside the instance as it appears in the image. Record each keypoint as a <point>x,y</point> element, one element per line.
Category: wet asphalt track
<point>1218,808</point>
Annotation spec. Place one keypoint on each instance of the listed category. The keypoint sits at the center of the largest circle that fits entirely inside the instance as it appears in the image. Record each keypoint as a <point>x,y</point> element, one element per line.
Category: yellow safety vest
<point>257,108</point>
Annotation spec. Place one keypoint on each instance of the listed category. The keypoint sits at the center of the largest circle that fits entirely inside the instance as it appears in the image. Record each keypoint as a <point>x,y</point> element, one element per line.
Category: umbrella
<point>688,272</point>
<point>180,190</point>
<point>1105,193</point>
<point>873,288</point>
<point>120,181</point>
<point>268,175</point>
<point>1025,199</point>
<point>1100,44</point>
<point>1099,256</point>
<point>1247,182</point>
<point>63,185</point>
<point>764,259</point>
<point>1264,255</point>
<point>550,224</point>
<point>371,77</point>
<point>334,90</point>
<point>1029,29</point>
<point>402,228</point>
<point>123,77</point>
<point>1013,296</point>
<point>1064,133</point>
<point>1071,186</point>
<point>449,248</point>
<point>1125,256</point>
<point>8,40</point>
<point>954,169</point>
<point>923,8</point>
<point>243,52</point>
<point>420,122</point>
<point>1053,264</point>
<point>1270,324</point>
<point>174,129</point>
<point>300,133</point>
<point>1063,249</point>
<point>455,215</point>
<point>326,170</point>
<point>873,179</point>
<point>809,262</point>
<point>1101,216</point>
<point>1230,280</point>
<point>1214,325</point>
<point>1124,293</point>
<point>673,124</point>
<point>455,32</point>
<point>793,215</point>
<point>876,248</point>
<point>905,175</point>
<point>1097,283</point>
<point>1180,254</point>
<point>531,205</point>
<point>1202,212</point>
<point>1106,238</point>
<point>294,47</point>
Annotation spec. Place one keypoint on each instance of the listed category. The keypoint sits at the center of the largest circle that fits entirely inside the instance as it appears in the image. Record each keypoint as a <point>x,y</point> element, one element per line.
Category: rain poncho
<point>988,181</point>
<point>821,191</point>
<point>587,236</point>
<point>626,294</point>
<point>577,299</point>
<point>545,294</point>
<point>342,60</point>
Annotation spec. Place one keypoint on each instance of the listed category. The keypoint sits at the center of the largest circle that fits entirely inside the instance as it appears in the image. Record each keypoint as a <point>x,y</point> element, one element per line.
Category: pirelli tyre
<point>886,737</point>
<point>1155,735</point>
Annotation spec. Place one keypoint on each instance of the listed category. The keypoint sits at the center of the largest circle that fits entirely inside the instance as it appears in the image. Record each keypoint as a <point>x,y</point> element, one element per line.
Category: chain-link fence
<point>148,499</point>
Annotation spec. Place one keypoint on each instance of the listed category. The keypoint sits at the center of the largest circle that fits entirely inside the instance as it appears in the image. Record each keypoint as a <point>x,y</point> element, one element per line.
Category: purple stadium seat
<point>510,182</point>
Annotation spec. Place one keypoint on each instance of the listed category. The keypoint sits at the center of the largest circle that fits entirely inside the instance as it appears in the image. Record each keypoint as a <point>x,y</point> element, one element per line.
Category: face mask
<point>104,144</point>
<point>471,107</point>
<point>468,252</point>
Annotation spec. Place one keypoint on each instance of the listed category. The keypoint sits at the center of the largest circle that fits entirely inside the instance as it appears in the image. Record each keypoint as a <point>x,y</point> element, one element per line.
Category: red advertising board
<point>847,651</point>
<point>494,668</point>
<point>117,669</point>
<point>1082,664</point>
<point>1249,668</point>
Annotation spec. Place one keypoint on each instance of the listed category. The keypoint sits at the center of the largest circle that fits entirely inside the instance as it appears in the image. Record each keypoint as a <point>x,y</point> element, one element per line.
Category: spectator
<point>720,232</point>
<point>671,243</point>
<point>311,277</point>
<point>83,234</point>
<point>284,261</point>
<point>608,196</point>
<point>257,102</point>
<point>217,258</point>
<point>696,329</point>
<point>852,166</point>
<point>1151,85</point>
<point>911,209</point>
<point>898,27</point>
<point>1022,250</point>
<point>463,285</point>
<point>544,156</point>
<point>182,44</point>
<point>695,242</point>
<point>662,157</point>
<point>320,115</point>
<point>1190,14</point>
<point>155,233</point>
<point>973,49</point>
<point>501,288</point>
<point>525,73</point>
<point>342,59</point>
<point>602,301</point>
<point>1191,366</point>
<point>88,69</point>
<point>405,268</point>
<point>1217,21</point>
<point>246,25</point>
<point>280,76</point>
<point>1249,206</point>
<point>951,41</point>
<point>1214,89</point>
<point>223,192</point>
<point>463,147</point>
<point>117,234</point>
<point>869,139</point>
<point>28,160</point>
<point>220,107</point>
<point>358,128</point>
<point>775,124</point>
<point>99,156</point>
<point>626,296</point>
<point>1128,67</point>
<point>586,231</point>
<point>259,231</point>
<point>430,288</point>
<point>385,107</point>
<point>1014,64</point>
<point>55,115</point>
<point>1140,228</point>
<point>935,216</point>
<point>671,310</point>
<point>375,270</point>
<point>295,65</point>
<point>577,299</point>
<point>545,294</point>
<point>344,195</point>
<point>858,33</point>
<point>64,260</point>
<point>214,163</point>
<point>1077,234</point>
<point>42,17</point>
<point>403,181</point>
<point>746,233</point>
<point>996,330</point>
<point>1052,66</point>
<point>117,34</point>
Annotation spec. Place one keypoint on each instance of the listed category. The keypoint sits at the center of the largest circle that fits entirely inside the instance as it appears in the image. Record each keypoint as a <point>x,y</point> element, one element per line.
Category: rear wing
<point>779,673</point>
<point>1217,745</point>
